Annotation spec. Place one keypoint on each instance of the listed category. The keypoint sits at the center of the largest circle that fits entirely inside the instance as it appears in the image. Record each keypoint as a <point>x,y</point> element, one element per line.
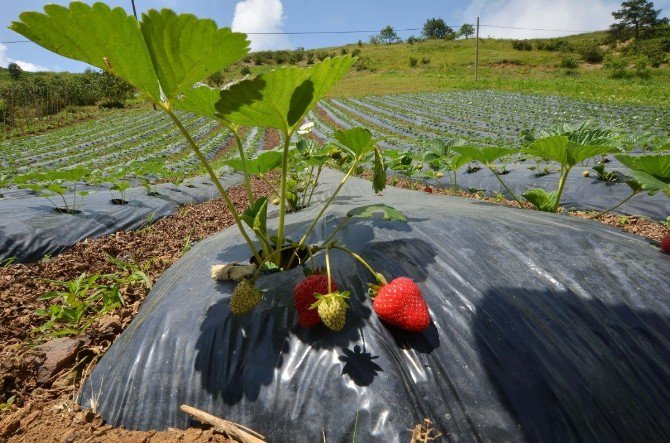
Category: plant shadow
<point>569,368</point>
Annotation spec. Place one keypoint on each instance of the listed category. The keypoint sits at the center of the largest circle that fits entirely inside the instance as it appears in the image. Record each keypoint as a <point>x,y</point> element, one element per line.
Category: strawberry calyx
<point>340,297</point>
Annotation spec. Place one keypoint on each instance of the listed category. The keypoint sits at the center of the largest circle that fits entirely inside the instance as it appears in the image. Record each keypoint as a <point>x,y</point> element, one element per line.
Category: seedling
<point>61,183</point>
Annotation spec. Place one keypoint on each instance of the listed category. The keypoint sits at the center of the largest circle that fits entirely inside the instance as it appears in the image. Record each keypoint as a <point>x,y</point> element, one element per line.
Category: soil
<point>43,374</point>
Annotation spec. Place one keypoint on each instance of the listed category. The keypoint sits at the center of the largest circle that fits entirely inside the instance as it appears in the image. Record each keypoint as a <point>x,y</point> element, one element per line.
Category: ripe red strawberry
<point>401,304</point>
<point>303,298</point>
<point>428,189</point>
<point>665,244</point>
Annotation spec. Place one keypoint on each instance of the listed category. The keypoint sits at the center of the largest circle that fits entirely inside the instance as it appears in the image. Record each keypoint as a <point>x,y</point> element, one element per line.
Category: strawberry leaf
<point>541,199</point>
<point>485,155</point>
<point>281,98</point>
<point>185,49</point>
<point>373,211</point>
<point>358,140</point>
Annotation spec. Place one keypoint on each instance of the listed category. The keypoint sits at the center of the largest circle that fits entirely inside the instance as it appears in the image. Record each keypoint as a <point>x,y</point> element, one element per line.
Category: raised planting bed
<point>543,327</point>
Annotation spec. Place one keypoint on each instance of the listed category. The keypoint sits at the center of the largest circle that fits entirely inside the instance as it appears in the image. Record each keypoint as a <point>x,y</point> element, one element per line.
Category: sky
<point>571,16</point>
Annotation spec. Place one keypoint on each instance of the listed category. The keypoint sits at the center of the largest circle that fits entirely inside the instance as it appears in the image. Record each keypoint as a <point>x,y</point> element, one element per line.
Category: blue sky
<point>338,15</point>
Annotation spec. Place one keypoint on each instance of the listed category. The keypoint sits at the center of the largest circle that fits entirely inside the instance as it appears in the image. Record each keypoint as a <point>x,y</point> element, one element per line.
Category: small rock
<point>71,437</point>
<point>109,323</point>
<point>59,353</point>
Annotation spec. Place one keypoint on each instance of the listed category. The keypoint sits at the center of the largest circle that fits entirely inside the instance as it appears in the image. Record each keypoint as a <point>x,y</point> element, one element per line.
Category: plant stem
<point>561,185</point>
<point>216,181</point>
<point>247,180</point>
<point>282,197</point>
<point>379,277</point>
<point>346,220</point>
<point>330,286</point>
<point>600,214</point>
<point>314,185</point>
<point>509,191</point>
<point>325,206</point>
<point>269,183</point>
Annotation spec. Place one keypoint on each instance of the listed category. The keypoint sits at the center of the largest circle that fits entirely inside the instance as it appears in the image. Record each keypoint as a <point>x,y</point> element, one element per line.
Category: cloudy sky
<point>339,15</point>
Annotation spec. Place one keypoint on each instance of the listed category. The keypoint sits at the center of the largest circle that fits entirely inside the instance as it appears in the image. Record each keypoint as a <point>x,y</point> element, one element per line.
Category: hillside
<point>385,69</point>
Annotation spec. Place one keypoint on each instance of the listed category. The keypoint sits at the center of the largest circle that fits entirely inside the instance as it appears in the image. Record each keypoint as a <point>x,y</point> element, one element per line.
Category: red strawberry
<point>665,244</point>
<point>401,304</point>
<point>303,298</point>
<point>428,189</point>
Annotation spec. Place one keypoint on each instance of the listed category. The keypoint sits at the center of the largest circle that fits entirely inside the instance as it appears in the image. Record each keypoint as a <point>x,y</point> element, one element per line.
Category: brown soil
<point>272,139</point>
<point>43,375</point>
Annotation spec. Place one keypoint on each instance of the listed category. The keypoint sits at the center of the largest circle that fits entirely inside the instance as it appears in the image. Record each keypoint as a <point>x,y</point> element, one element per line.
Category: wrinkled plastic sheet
<point>545,328</point>
<point>31,228</point>
<point>579,193</point>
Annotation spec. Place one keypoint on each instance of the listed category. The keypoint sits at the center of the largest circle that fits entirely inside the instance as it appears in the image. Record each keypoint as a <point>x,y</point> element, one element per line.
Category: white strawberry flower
<point>306,128</point>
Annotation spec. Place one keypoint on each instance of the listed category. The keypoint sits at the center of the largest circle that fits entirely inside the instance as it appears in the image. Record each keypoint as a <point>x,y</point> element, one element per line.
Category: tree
<point>467,30</point>
<point>15,70</point>
<point>388,35</point>
<point>637,17</point>
<point>436,28</point>
<point>115,89</point>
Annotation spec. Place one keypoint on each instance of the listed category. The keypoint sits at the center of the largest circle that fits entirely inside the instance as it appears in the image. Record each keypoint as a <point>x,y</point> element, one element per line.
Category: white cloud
<point>26,66</point>
<point>261,16</point>
<point>571,15</point>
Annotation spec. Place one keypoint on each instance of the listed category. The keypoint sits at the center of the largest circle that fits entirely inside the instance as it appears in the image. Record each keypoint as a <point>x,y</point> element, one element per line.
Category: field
<point>367,245</point>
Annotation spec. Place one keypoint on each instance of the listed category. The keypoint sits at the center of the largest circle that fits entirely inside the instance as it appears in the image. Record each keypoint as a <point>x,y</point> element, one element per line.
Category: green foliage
<point>591,52</point>
<point>652,171</point>
<point>377,211</point>
<point>387,36</point>
<point>259,166</point>
<point>6,405</point>
<point>637,18</point>
<point>413,62</point>
<point>522,45</point>
<point>436,28</point>
<point>466,31</point>
<point>568,62</point>
<point>542,200</point>
<point>62,183</point>
<point>281,98</point>
<point>15,70</point>
<point>356,140</point>
<point>165,53</point>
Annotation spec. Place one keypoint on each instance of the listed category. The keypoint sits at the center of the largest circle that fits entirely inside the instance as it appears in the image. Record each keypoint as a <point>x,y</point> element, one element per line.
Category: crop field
<point>264,238</point>
<point>123,140</point>
<point>479,117</point>
<point>406,122</point>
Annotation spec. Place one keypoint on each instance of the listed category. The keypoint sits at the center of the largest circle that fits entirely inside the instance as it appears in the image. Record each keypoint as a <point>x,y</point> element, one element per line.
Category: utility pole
<point>477,52</point>
<point>134,10</point>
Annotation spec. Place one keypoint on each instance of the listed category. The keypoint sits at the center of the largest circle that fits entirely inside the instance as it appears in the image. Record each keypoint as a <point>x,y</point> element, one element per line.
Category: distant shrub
<point>245,70</point>
<point>413,62</point>
<point>310,59</point>
<point>568,62</point>
<point>411,40</point>
<point>553,45</point>
<point>591,53</point>
<point>360,43</point>
<point>652,49</point>
<point>425,61</point>
<point>522,45</point>
<point>356,52</point>
<point>641,64</point>
<point>617,65</point>
<point>258,60</point>
<point>344,51</point>
<point>364,63</point>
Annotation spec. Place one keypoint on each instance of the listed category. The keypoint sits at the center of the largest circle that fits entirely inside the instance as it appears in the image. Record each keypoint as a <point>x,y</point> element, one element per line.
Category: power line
<point>371,31</point>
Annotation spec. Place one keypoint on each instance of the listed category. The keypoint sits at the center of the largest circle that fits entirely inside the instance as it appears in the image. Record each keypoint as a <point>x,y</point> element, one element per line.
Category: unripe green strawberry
<point>439,175</point>
<point>332,309</point>
<point>245,297</point>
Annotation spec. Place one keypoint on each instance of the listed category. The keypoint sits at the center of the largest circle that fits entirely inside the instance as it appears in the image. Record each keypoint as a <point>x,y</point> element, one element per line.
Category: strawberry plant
<point>567,150</point>
<point>57,183</point>
<point>165,56</point>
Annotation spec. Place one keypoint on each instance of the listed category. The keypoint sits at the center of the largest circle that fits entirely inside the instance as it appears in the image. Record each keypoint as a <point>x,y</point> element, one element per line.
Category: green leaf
<point>541,199</point>
<point>552,148</point>
<point>562,150</point>
<point>357,140</point>
<point>656,165</point>
<point>264,163</point>
<point>578,153</point>
<point>185,49</point>
<point>281,98</point>
<point>651,184</point>
<point>458,162</point>
<point>107,38</point>
<point>379,172</point>
<point>373,211</point>
<point>200,100</point>
<point>257,215</point>
<point>485,155</point>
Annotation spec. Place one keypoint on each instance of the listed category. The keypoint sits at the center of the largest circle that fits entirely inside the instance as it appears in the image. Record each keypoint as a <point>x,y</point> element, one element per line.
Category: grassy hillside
<point>450,65</point>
